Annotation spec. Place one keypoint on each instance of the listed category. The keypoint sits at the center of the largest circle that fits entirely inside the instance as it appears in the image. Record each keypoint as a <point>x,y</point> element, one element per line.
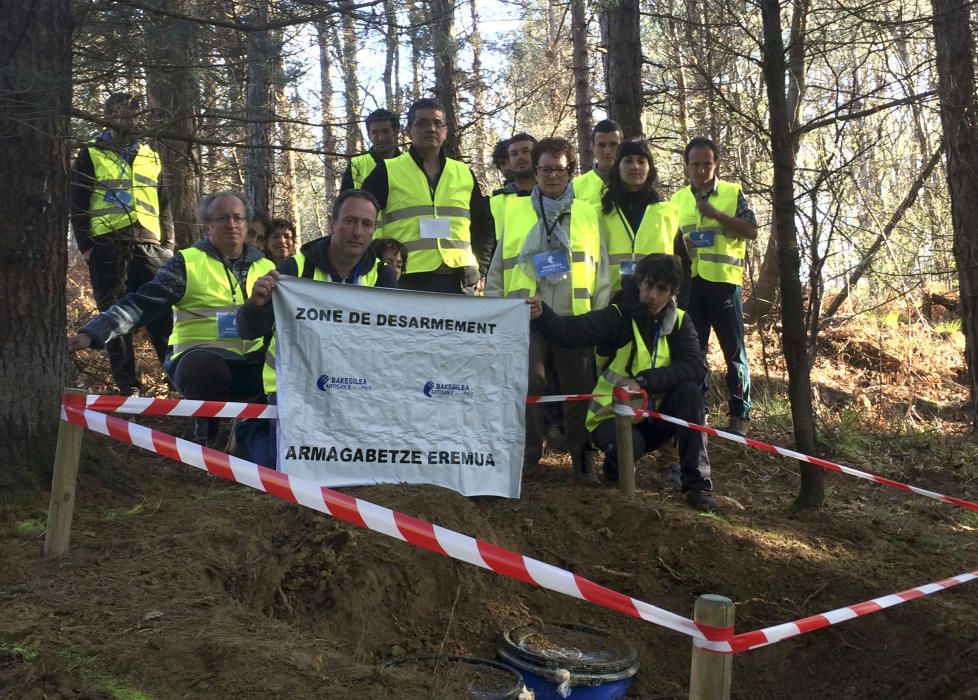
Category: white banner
<point>388,386</point>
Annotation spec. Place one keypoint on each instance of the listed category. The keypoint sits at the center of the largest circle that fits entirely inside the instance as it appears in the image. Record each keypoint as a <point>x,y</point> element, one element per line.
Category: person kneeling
<point>644,342</point>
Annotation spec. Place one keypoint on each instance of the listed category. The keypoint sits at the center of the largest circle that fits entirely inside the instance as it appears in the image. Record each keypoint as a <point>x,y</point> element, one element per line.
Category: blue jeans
<point>719,307</point>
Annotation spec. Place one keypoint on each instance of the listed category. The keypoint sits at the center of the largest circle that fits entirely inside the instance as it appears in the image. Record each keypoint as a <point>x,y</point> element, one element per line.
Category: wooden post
<point>62,505</point>
<point>711,674</point>
<point>625,451</point>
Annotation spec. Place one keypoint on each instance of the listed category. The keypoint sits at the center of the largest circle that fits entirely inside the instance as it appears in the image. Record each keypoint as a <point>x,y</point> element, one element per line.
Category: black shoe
<point>672,474</point>
<point>701,501</point>
<point>737,426</point>
<point>206,430</point>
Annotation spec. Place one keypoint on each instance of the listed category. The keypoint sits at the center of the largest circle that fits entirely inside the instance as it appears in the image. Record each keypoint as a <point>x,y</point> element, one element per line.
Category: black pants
<point>117,267</point>
<point>576,376</point>
<point>458,281</point>
<point>686,402</point>
<point>203,375</point>
<point>719,307</point>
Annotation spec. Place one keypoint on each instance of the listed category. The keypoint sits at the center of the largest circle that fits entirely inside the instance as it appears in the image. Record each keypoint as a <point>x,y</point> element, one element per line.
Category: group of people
<point>610,268</point>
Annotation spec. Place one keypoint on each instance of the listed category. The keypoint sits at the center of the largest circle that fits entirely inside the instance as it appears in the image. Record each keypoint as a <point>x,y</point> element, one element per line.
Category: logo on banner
<point>433,389</point>
<point>328,382</point>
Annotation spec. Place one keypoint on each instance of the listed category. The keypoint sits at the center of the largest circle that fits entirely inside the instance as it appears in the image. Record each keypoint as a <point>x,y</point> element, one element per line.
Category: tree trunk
<point>260,158</point>
<point>288,205</point>
<point>955,46</point>
<point>884,235</point>
<point>351,83</point>
<point>764,292</point>
<point>326,106</point>
<point>812,492</point>
<point>34,105</point>
<point>442,18</point>
<point>479,158</point>
<point>392,83</point>
<point>623,65</point>
<point>173,93</point>
<point>582,83</point>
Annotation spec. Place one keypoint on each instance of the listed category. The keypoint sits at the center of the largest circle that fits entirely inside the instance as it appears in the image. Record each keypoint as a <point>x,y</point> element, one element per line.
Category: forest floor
<point>181,585</point>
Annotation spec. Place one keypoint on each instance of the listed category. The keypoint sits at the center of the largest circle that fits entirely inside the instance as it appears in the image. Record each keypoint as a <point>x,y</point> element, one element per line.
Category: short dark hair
<point>616,191</point>
<point>701,142</point>
<point>605,126</point>
<point>382,115</point>
<point>352,194</point>
<point>423,103</point>
<point>379,246</point>
<point>120,99</point>
<point>208,200</point>
<point>516,138</point>
<point>556,147</point>
<point>283,223</point>
<point>660,267</point>
<point>500,152</point>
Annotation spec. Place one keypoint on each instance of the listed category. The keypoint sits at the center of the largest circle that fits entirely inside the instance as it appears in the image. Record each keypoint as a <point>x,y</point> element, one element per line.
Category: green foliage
<point>88,667</point>
<point>948,328</point>
<point>144,507</point>
<point>27,652</point>
<point>31,526</point>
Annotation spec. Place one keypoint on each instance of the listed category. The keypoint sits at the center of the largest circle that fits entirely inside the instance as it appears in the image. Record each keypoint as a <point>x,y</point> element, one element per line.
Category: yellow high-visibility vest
<point>585,256</point>
<point>724,260</point>
<point>656,234</point>
<point>629,361</point>
<point>410,200</point>
<point>367,279</point>
<point>360,167</point>
<point>125,194</point>
<point>588,187</point>
<point>212,290</point>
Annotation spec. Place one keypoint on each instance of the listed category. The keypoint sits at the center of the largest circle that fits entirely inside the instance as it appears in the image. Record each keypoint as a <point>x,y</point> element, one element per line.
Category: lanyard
<point>543,216</point>
<point>628,228</point>
<point>356,272</point>
<point>234,286</point>
<point>655,351</point>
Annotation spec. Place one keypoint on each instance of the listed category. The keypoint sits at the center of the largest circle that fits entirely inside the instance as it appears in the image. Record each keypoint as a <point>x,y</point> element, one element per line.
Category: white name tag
<point>436,228</point>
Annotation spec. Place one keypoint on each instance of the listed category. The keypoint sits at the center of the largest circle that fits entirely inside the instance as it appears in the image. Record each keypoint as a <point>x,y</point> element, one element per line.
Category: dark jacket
<point>256,322</point>
<point>610,328</point>
<point>482,232</point>
<point>159,294</point>
<point>82,184</point>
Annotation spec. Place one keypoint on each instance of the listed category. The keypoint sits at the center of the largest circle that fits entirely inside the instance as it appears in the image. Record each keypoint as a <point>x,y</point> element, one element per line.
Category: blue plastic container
<point>570,661</point>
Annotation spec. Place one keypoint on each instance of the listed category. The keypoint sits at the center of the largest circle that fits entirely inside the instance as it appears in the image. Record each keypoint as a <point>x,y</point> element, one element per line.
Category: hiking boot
<point>672,474</point>
<point>701,501</point>
<point>737,426</point>
<point>583,463</point>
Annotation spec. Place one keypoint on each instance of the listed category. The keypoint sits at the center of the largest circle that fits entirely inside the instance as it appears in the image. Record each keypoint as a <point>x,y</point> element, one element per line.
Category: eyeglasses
<point>553,172</point>
<point>424,123</point>
<point>233,218</point>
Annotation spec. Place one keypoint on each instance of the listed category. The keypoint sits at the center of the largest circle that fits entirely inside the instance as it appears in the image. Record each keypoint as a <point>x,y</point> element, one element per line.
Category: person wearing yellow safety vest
<point>635,220</point>
<point>382,129</point>
<point>433,205</point>
<point>716,224</point>
<point>205,284</point>
<point>551,247</point>
<point>648,344</point>
<point>520,166</point>
<point>122,225</point>
<point>343,257</point>
<point>605,139</point>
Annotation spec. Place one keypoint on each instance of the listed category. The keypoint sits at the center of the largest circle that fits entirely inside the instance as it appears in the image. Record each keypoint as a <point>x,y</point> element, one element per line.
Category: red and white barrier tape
<point>394,524</point>
<point>554,398</point>
<point>172,407</point>
<point>624,410</point>
<point>778,633</point>
<point>468,549</point>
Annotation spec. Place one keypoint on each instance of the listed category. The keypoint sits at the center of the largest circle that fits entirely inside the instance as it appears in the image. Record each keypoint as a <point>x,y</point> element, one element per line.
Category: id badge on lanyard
<point>227,326</point>
<point>551,263</point>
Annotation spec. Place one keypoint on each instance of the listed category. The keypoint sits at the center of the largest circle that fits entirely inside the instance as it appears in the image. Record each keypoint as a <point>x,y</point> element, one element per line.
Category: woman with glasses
<point>551,247</point>
<point>635,220</point>
<point>204,284</point>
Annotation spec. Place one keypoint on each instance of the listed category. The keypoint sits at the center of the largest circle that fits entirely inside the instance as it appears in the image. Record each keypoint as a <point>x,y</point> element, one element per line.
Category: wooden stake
<point>63,481</point>
<point>625,451</point>
<point>711,674</point>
